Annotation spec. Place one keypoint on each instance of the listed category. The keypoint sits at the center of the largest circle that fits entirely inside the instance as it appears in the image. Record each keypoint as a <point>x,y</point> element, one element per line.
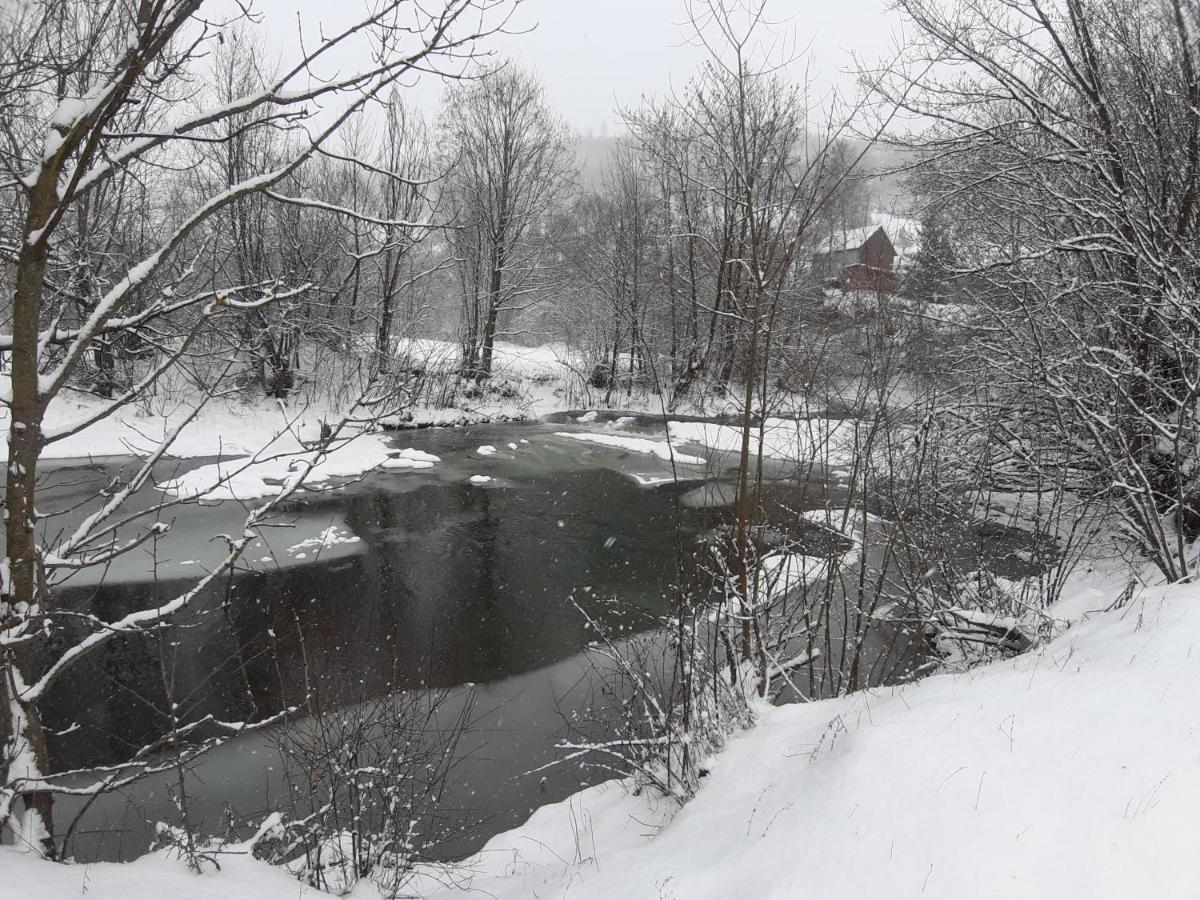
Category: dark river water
<point>433,581</point>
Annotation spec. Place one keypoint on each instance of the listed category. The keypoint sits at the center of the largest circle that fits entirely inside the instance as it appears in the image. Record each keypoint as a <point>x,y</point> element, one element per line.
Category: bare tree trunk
<point>24,594</point>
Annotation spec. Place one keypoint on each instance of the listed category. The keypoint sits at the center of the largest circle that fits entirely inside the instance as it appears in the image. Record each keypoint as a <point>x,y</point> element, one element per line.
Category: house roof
<point>847,239</point>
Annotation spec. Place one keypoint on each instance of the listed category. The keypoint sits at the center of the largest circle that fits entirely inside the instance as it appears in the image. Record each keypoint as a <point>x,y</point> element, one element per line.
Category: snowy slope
<point>160,876</point>
<point>1071,772</point>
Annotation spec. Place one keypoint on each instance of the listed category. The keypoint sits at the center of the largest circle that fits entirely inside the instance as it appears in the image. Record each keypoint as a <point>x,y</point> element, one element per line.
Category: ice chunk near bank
<point>270,472</point>
<point>328,537</point>
<point>825,441</point>
<point>412,459</point>
<point>662,449</point>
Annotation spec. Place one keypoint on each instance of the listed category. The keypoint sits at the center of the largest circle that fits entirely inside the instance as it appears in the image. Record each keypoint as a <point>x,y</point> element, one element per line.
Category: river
<point>469,581</point>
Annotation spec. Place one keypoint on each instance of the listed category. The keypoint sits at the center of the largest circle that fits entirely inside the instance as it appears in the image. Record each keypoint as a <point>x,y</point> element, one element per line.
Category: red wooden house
<point>857,259</point>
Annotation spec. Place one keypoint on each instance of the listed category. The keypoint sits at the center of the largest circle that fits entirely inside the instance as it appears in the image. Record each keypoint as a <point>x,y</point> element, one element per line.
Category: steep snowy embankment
<point>1069,772</point>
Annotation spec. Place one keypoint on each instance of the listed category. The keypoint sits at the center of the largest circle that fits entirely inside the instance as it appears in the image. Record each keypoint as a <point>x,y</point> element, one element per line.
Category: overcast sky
<point>593,55</point>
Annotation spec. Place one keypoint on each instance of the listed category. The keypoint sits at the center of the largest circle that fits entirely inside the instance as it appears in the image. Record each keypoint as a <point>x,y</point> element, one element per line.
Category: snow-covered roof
<point>902,231</point>
<point>847,239</point>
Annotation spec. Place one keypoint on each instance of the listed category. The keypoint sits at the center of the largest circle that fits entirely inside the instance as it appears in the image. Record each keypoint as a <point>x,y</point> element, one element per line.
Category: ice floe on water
<point>419,456</point>
<point>646,480</point>
<point>824,441</point>
<point>782,572</point>
<point>661,449</point>
<point>328,537</point>
<point>710,495</point>
<point>269,473</point>
<point>847,521</point>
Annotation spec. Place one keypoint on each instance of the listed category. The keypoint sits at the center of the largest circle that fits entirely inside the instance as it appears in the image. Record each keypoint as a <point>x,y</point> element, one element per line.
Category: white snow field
<point>1071,771</point>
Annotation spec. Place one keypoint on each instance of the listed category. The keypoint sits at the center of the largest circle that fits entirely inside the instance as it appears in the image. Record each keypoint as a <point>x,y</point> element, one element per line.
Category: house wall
<point>865,268</point>
<point>860,277</point>
<point>830,265</point>
<point>878,252</point>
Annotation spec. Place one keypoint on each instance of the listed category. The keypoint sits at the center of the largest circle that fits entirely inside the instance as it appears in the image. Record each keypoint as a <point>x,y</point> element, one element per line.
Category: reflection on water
<point>449,584</point>
<point>453,584</point>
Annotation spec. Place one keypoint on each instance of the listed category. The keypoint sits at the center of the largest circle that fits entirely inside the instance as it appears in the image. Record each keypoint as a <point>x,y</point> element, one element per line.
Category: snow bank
<point>221,428</point>
<point>1069,772</point>
<point>161,874</point>
<point>266,473</point>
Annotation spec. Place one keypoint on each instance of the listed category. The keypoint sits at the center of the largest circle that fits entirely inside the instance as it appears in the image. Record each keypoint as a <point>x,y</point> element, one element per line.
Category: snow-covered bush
<point>658,712</point>
<point>364,783</point>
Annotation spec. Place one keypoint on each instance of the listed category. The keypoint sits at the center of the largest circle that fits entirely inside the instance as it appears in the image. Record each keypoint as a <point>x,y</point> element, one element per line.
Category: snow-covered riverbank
<point>529,383</point>
<point>1069,771</point>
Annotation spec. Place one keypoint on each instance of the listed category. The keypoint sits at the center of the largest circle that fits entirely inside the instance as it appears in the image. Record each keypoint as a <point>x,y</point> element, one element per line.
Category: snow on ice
<point>661,449</point>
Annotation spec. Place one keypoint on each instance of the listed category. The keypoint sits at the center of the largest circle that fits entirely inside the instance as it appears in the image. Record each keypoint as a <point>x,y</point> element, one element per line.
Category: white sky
<point>595,54</point>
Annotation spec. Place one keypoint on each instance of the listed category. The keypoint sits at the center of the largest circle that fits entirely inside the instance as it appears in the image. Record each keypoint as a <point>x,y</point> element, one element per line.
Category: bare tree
<point>66,137</point>
<point>409,200</point>
<point>509,164</point>
<point>1069,139</point>
<point>608,239</point>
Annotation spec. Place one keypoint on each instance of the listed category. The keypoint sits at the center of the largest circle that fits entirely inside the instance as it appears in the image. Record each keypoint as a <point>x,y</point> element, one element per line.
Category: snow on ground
<point>661,449</point>
<point>940,313</point>
<point>232,428</point>
<point>266,472</point>
<point>1070,771</point>
<point>221,428</point>
<point>546,380</point>
<point>1067,772</point>
<point>827,441</point>
<point>159,875</point>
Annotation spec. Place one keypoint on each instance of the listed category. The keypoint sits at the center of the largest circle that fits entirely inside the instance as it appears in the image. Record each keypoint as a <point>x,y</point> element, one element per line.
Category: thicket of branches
<point>177,213</point>
<point>1066,148</point>
<point>1055,154</point>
